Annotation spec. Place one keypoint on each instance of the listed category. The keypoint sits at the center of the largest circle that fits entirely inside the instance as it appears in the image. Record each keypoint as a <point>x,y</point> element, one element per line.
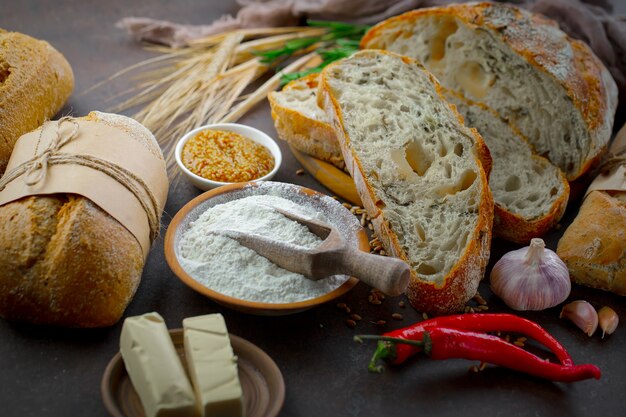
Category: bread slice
<point>418,171</point>
<point>300,122</point>
<point>35,82</point>
<point>552,87</point>
<point>530,193</point>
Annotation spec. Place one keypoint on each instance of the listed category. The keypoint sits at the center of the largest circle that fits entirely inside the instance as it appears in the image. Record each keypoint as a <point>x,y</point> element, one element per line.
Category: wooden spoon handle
<point>389,275</point>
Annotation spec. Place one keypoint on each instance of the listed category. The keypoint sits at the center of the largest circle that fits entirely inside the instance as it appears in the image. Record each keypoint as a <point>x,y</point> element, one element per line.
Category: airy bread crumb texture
<point>420,165</point>
<point>529,192</point>
<point>553,88</point>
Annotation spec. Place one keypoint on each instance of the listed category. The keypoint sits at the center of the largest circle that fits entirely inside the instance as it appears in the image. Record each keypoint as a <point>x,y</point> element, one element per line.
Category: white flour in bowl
<point>225,266</point>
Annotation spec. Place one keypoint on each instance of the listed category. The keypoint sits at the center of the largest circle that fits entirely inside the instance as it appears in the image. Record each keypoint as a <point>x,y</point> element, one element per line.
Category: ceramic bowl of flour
<point>237,277</point>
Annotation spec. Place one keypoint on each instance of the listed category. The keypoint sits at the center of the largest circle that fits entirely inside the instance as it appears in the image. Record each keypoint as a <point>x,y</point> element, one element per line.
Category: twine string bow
<point>37,168</point>
<point>35,171</point>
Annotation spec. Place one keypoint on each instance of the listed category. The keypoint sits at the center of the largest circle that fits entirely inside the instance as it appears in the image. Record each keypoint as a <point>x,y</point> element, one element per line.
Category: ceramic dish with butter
<point>331,210</point>
<point>261,381</point>
<point>226,153</point>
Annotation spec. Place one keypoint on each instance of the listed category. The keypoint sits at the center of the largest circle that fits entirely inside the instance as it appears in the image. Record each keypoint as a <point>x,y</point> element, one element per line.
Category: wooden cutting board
<point>331,177</point>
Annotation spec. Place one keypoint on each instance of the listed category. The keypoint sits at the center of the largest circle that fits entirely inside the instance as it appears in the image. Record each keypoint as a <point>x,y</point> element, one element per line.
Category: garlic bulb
<point>531,278</point>
<point>582,314</point>
<point>608,320</point>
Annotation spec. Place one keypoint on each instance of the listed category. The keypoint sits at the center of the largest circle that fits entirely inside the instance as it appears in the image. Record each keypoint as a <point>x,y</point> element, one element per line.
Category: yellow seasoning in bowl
<point>224,156</point>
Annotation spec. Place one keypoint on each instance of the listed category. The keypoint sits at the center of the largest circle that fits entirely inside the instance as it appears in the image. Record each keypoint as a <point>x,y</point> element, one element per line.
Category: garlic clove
<point>582,314</point>
<point>531,278</point>
<point>608,320</point>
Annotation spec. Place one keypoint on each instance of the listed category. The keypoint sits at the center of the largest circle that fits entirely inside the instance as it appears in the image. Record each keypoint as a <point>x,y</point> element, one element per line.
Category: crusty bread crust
<point>308,135</point>
<point>594,246</point>
<point>461,283</point>
<point>538,40</point>
<point>65,261</point>
<point>35,82</point>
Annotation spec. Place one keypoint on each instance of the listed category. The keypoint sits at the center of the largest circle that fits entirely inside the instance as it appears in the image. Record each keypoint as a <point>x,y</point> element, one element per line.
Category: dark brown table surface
<point>57,372</point>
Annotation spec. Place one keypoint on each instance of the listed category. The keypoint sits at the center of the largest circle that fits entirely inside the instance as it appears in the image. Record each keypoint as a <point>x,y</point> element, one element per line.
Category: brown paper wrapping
<point>103,141</point>
<point>615,179</point>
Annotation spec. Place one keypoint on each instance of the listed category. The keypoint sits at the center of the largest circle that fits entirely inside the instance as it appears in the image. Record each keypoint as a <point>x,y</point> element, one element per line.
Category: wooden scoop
<point>333,256</point>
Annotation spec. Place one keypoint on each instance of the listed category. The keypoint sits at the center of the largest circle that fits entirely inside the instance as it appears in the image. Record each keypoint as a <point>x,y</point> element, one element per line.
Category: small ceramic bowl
<point>254,134</point>
<point>337,215</point>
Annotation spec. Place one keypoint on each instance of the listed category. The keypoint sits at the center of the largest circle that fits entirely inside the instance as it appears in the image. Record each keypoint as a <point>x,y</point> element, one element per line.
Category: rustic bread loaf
<point>530,193</point>
<point>418,171</point>
<point>35,82</point>
<point>552,87</point>
<point>64,260</point>
<point>594,246</point>
<point>300,122</point>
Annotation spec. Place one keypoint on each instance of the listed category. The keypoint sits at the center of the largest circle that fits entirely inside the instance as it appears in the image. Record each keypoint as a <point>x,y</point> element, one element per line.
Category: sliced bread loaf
<point>552,87</point>
<point>418,171</point>
<point>530,193</point>
<point>300,122</point>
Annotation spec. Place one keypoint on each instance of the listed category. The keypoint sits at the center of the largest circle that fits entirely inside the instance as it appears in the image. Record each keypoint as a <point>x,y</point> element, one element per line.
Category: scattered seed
<point>363,220</point>
<point>480,300</point>
<point>347,205</point>
<point>356,317</point>
<point>425,316</point>
<point>397,316</point>
<point>351,323</point>
<point>383,253</point>
<point>342,306</point>
<point>370,226</point>
<point>474,369</point>
<point>378,248</point>
<point>347,310</point>
<point>375,301</point>
<point>378,293</point>
<point>482,308</point>
<point>379,322</point>
<point>520,341</point>
<point>300,172</point>
<point>401,304</point>
<point>482,366</point>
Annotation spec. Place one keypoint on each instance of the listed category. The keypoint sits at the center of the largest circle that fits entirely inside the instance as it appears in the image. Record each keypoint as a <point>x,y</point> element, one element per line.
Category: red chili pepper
<point>396,354</point>
<point>444,343</point>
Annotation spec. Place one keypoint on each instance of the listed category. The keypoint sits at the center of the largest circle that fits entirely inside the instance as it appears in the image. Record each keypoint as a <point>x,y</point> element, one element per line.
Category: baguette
<point>35,82</point>
<point>418,171</point>
<point>594,246</point>
<point>64,260</point>
<point>552,87</point>
<point>300,122</point>
<point>530,193</point>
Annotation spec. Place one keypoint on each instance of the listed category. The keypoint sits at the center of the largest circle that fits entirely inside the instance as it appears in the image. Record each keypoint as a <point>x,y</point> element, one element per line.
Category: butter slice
<point>155,368</point>
<point>213,366</point>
